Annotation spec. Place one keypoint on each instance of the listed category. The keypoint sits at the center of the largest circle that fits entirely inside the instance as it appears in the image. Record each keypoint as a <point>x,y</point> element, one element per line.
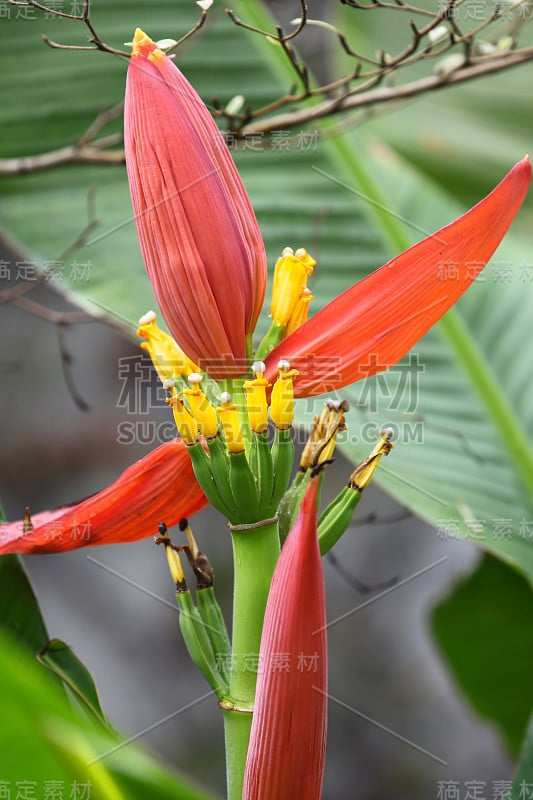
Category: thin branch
<point>398,6</point>
<point>302,22</point>
<point>390,94</point>
<point>14,293</point>
<point>50,314</point>
<point>92,154</point>
<point>195,28</point>
<point>84,17</point>
<point>86,149</point>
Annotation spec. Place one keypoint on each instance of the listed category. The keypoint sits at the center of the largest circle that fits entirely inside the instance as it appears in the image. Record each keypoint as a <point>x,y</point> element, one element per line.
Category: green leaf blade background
<point>484,630</point>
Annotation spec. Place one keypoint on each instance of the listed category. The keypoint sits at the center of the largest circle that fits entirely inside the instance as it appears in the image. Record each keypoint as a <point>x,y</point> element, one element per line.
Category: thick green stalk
<point>256,551</point>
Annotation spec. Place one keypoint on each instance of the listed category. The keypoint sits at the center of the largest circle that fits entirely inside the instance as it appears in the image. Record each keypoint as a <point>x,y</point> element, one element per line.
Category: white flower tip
<point>387,433</point>
<point>235,104</point>
<point>205,5</point>
<point>258,366</point>
<point>225,397</point>
<point>147,318</point>
<point>168,384</point>
<point>301,252</point>
<point>440,32</point>
<point>283,365</point>
<point>195,377</point>
<point>287,251</point>
<point>166,44</point>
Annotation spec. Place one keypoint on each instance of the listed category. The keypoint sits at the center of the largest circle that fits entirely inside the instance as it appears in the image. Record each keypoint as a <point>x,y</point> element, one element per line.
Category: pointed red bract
<point>198,233</point>
<point>375,323</point>
<point>159,487</point>
<point>288,739</point>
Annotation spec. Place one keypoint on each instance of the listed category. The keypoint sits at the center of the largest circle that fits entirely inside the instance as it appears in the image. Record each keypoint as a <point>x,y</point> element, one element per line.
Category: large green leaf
<point>21,617</point>
<point>450,464</point>
<point>63,662</point>
<point>44,744</point>
<point>484,630</point>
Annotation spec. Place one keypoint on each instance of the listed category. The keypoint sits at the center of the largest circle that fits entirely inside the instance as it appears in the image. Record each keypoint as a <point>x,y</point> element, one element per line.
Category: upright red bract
<point>198,233</point>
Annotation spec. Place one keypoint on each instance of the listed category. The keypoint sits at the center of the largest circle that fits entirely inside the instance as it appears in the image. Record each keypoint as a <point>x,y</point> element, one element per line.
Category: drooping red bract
<point>198,233</point>
<point>159,487</point>
<point>373,324</point>
<point>288,739</point>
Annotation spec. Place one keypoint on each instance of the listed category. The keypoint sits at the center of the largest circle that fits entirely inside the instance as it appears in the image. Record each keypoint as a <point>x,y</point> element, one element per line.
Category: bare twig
<point>476,69</point>
<point>50,314</point>
<point>360,88</point>
<point>95,43</point>
<point>86,149</point>
<point>195,28</point>
<point>15,293</point>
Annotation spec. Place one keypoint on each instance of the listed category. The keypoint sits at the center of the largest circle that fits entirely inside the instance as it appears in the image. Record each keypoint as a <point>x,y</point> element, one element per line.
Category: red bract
<point>374,323</point>
<point>160,486</point>
<point>288,739</point>
<point>198,233</point>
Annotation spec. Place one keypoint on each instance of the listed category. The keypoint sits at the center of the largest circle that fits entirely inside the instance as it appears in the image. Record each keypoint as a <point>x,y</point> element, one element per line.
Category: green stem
<point>466,350</point>
<point>504,418</point>
<point>256,551</point>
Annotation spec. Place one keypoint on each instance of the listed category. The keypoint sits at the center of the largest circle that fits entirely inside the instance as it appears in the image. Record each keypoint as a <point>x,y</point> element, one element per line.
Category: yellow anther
<point>191,541</point>
<point>256,402</point>
<point>168,358</point>
<point>229,420</point>
<point>300,311</point>
<point>364,472</point>
<point>185,422</point>
<point>174,564</point>
<point>282,399</point>
<point>290,279</point>
<point>201,409</point>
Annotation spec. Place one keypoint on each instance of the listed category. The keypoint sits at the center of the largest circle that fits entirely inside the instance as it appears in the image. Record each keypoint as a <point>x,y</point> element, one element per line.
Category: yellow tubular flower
<point>185,422</point>
<point>201,409</point>
<point>300,312</point>
<point>282,399</point>
<point>317,434</point>
<point>231,427</point>
<point>256,402</point>
<point>168,358</point>
<point>290,279</point>
<point>364,472</point>
<point>335,424</point>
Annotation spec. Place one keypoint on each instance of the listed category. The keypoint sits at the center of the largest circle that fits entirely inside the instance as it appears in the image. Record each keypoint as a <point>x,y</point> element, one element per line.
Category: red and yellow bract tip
<point>198,233</point>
